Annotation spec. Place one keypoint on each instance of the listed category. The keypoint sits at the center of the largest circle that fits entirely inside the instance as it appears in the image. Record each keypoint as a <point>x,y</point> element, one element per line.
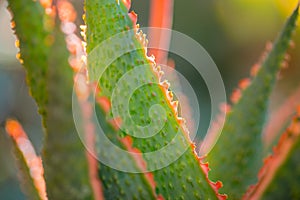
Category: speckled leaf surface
<point>63,148</point>
<point>45,57</point>
<point>34,42</point>
<point>286,182</point>
<point>237,155</point>
<point>279,178</point>
<point>182,179</point>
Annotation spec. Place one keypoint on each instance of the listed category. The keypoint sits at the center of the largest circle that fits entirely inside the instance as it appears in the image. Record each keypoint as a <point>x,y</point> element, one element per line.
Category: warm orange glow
<point>81,87</point>
<point>83,91</point>
<point>127,3</point>
<point>280,116</point>
<point>133,17</point>
<point>141,163</point>
<point>105,103</point>
<point>66,11</point>
<point>214,185</point>
<point>244,83</point>
<point>14,129</point>
<point>89,131</point>
<point>116,123</point>
<point>235,96</point>
<point>46,3</point>
<point>298,110</point>
<point>273,162</point>
<point>13,24</point>
<point>67,14</point>
<point>34,162</point>
<point>255,68</point>
<point>161,16</point>
<point>17,43</point>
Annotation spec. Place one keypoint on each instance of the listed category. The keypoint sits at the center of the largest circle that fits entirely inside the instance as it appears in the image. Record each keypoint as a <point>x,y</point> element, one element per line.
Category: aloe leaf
<point>237,155</point>
<point>286,180</point>
<point>19,143</point>
<point>9,185</point>
<point>62,144</point>
<point>184,178</point>
<point>45,58</point>
<point>279,178</point>
<point>279,120</point>
<point>34,42</point>
<point>118,184</point>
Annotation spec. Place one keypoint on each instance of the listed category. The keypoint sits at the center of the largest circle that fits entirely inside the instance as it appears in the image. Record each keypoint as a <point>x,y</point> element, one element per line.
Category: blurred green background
<point>234,33</point>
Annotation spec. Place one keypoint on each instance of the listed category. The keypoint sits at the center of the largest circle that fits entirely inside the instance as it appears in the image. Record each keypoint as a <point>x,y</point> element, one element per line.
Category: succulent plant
<point>64,75</point>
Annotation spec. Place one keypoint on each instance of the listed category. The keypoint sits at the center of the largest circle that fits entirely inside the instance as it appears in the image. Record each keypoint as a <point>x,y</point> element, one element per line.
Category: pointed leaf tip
<point>238,149</point>
<point>29,164</point>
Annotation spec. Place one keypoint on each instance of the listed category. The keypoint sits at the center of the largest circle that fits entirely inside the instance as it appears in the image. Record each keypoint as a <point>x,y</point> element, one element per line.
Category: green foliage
<point>286,181</point>
<point>9,185</point>
<point>62,145</point>
<point>46,62</point>
<point>235,159</point>
<point>237,155</point>
<point>118,184</point>
<point>27,182</point>
<point>28,19</point>
<point>184,178</point>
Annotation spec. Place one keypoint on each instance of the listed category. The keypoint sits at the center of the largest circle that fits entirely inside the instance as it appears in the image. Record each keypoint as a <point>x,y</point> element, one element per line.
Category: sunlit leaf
<point>184,178</point>
<point>29,164</point>
<point>237,155</point>
<point>45,58</point>
<point>279,178</point>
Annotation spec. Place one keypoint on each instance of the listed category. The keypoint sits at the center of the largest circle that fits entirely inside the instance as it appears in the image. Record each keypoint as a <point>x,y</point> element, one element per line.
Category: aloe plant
<point>72,173</point>
<point>245,135</point>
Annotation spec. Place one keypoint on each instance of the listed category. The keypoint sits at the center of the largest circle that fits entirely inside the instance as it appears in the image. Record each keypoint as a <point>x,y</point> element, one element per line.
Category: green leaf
<point>286,181</point>
<point>184,178</point>
<point>237,155</point>
<point>34,42</point>
<point>9,184</point>
<point>45,58</point>
<point>16,133</point>
<point>63,149</point>
<point>118,184</point>
<point>279,178</point>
